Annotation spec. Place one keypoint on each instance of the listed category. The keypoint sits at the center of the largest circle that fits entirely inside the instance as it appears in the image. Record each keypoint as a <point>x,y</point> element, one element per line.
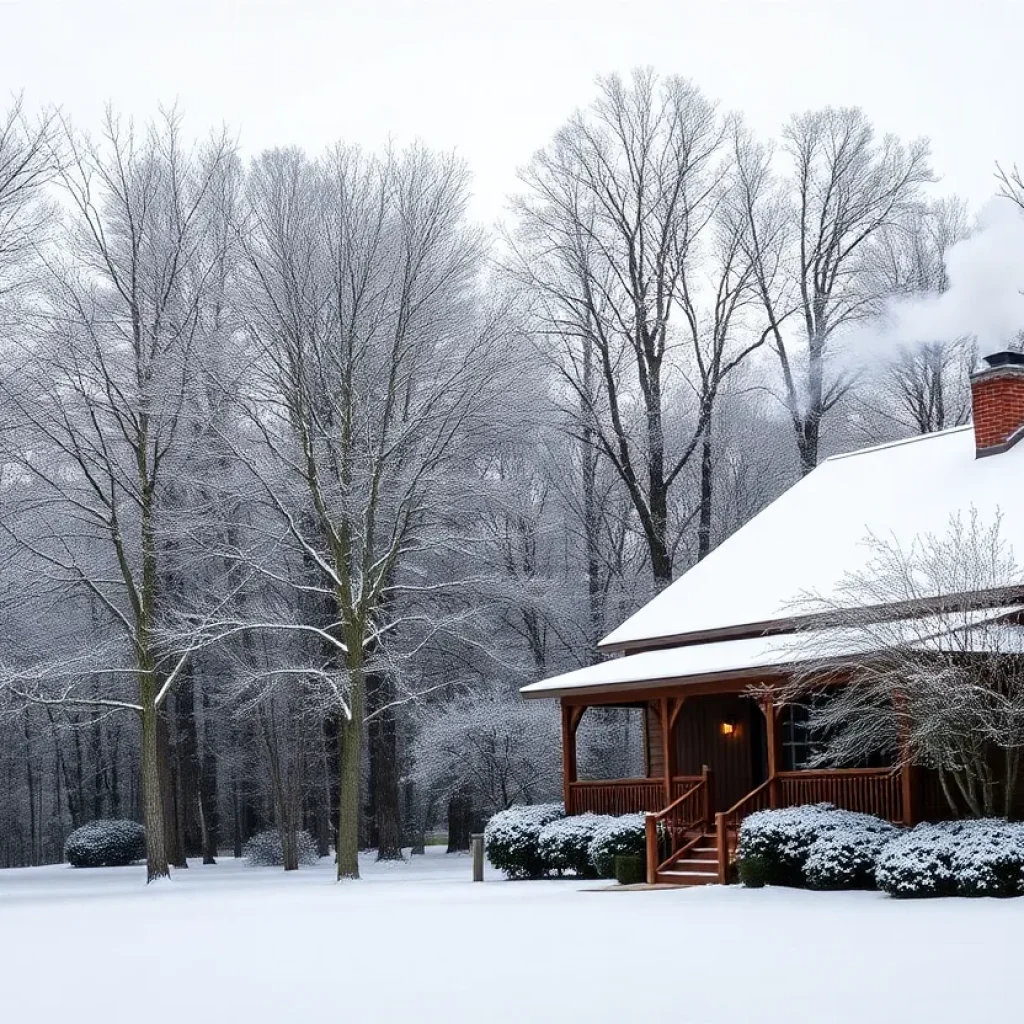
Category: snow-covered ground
<point>420,942</point>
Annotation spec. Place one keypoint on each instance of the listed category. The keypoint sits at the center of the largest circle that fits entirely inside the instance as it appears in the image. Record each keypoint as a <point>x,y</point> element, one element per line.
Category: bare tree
<point>490,744</point>
<point>924,386</point>
<point>372,368</point>
<point>812,247</point>
<point>611,233</point>
<point>944,689</point>
<point>103,396</point>
<point>28,161</point>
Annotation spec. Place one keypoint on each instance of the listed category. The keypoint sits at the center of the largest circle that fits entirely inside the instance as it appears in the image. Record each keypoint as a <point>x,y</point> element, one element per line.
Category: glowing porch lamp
<point>729,727</point>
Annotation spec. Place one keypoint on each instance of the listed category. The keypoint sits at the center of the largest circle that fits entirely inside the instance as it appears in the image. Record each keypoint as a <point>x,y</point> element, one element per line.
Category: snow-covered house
<point>692,656</point>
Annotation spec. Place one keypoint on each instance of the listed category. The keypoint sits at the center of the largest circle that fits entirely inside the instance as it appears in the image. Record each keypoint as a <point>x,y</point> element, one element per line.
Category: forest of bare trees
<point>304,473</point>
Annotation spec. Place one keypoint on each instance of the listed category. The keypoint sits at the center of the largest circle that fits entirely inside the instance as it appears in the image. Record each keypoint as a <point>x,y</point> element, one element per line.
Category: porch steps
<point>674,877</point>
<point>698,867</point>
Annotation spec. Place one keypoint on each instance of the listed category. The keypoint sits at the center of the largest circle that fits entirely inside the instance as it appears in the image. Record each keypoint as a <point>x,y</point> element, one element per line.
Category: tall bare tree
<point>923,386</point>
<point>812,247</point>
<point>104,393</point>
<point>28,161</point>
<point>617,214</point>
<point>372,369</point>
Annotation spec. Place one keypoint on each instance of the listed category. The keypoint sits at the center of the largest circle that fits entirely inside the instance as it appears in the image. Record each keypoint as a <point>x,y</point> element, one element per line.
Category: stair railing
<point>671,830</point>
<point>727,824</point>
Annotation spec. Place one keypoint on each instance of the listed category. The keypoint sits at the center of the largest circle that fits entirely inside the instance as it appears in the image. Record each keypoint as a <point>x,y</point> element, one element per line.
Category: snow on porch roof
<point>811,536</point>
<point>768,655</point>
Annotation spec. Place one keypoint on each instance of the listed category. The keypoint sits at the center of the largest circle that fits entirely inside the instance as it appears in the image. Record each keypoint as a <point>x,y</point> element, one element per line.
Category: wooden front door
<point>727,733</point>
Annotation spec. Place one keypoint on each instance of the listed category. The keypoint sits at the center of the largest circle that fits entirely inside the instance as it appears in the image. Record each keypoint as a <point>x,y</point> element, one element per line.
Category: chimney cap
<point>1005,359</point>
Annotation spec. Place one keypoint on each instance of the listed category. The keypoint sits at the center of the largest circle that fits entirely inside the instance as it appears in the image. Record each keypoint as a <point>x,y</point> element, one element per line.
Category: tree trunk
<point>187,769</point>
<point>327,801</point>
<point>415,823</point>
<point>30,779</point>
<point>172,843</point>
<point>460,819</point>
<point>385,795</point>
<point>707,494</point>
<point>209,812</point>
<point>350,765</point>
<point>152,795</point>
<point>591,524</point>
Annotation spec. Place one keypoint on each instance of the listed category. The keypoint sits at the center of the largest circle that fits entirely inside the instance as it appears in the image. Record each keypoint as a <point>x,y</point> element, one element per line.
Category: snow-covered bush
<point>773,845</point>
<point>961,858</point>
<point>918,863</point>
<point>512,839</point>
<point>845,857</point>
<point>616,836</point>
<point>564,844</point>
<point>988,859</point>
<point>816,845</point>
<point>107,843</point>
<point>264,849</point>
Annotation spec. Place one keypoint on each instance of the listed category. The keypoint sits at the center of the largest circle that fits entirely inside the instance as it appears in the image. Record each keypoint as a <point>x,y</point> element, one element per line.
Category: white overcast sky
<point>493,79</point>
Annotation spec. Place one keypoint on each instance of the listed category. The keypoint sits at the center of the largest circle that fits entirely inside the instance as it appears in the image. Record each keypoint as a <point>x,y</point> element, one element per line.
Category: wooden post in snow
<point>476,844</point>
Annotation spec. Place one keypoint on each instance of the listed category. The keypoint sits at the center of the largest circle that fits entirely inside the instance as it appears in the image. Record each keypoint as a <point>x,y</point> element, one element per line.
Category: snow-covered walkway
<point>420,942</point>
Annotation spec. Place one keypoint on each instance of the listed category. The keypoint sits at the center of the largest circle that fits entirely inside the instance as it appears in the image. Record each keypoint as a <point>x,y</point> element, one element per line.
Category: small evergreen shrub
<point>755,871</point>
<point>957,858</point>
<point>264,849</point>
<point>106,843</point>
<point>625,835</point>
<point>512,839</point>
<point>564,844</point>
<point>630,869</point>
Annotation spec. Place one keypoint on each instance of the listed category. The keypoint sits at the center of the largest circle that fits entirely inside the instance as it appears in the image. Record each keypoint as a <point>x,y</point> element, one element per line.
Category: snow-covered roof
<point>716,661</point>
<point>814,534</point>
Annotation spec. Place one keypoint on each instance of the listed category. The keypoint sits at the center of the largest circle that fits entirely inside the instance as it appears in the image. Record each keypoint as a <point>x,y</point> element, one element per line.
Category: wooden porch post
<point>668,721</point>
<point>908,772</point>
<point>570,721</point>
<point>772,743</point>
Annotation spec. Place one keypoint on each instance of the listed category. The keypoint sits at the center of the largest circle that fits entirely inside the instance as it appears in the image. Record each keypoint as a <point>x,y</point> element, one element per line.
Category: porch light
<point>728,727</point>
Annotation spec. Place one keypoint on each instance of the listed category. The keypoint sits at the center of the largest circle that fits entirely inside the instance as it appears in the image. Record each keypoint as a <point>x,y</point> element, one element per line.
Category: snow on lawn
<point>420,942</point>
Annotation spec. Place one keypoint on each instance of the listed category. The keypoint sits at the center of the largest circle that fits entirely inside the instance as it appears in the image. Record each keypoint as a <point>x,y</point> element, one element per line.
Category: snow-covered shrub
<point>512,839</point>
<point>845,857</point>
<point>107,843</point>
<point>616,836</point>
<point>988,859</point>
<point>264,849</point>
<point>564,844</point>
<point>918,863</point>
<point>959,858</point>
<point>816,845</point>
<point>773,845</point>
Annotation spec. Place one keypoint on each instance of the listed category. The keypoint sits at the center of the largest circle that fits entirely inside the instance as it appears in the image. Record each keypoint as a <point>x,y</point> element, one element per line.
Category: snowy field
<point>420,942</point>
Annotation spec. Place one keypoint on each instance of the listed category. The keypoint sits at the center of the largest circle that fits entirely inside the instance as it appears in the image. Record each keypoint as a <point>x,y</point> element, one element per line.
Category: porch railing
<point>616,796</point>
<point>876,791</point>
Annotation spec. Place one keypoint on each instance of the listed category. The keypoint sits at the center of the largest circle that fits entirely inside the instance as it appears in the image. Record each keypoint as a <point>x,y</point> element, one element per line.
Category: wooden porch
<point>693,817</point>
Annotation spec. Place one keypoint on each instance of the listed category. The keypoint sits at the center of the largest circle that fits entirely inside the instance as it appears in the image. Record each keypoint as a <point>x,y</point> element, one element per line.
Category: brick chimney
<point>997,394</point>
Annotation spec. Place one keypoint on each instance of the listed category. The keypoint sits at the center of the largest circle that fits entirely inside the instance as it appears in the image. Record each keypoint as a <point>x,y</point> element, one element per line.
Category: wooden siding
<point>652,741</point>
<point>736,761</point>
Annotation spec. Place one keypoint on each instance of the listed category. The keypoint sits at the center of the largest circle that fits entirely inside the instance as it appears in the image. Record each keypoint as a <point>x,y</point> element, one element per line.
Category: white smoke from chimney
<point>984,299</point>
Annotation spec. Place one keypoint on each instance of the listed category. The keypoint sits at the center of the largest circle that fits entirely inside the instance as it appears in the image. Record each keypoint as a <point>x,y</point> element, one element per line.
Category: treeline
<point>304,473</point>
